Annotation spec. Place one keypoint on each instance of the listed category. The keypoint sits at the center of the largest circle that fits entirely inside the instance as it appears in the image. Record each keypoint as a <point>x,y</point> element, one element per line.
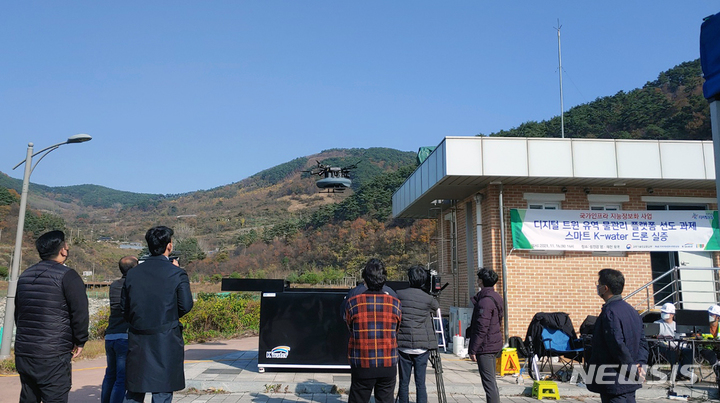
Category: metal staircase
<point>680,287</point>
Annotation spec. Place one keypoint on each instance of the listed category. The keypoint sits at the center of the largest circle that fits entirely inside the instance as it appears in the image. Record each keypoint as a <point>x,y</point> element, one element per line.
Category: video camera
<point>433,286</point>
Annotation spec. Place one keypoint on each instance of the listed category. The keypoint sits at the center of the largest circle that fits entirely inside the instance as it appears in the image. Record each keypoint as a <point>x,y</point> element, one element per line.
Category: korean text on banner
<point>583,230</point>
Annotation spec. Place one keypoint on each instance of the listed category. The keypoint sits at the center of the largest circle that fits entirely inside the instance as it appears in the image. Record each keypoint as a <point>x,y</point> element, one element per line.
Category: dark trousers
<point>44,379</point>
<point>671,354</point>
<point>361,388</point>
<point>139,397</point>
<point>486,366</point>
<point>113,386</point>
<point>406,364</point>
<point>709,355</point>
<point>624,398</point>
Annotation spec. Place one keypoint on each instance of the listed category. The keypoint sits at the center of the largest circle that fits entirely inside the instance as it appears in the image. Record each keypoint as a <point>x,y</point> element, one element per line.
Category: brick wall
<point>538,283</point>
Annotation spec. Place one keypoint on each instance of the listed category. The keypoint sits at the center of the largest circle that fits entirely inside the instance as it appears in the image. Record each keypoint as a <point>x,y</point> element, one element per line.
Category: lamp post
<point>9,323</point>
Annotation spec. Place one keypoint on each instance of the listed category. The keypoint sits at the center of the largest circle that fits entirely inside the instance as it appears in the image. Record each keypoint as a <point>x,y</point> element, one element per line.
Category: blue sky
<point>188,95</point>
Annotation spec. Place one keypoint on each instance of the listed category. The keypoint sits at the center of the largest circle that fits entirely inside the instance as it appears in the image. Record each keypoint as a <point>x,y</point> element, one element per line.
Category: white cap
<point>714,310</point>
<point>668,308</point>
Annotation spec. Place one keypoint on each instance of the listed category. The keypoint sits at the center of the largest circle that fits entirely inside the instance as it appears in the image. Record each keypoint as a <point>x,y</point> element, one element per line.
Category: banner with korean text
<point>583,230</point>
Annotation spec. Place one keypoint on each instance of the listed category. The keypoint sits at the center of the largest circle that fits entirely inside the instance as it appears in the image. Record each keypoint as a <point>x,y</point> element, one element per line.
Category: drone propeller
<point>318,170</point>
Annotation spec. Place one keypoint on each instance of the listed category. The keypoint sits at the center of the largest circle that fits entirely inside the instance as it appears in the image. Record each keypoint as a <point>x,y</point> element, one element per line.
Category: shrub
<point>98,323</point>
<point>221,316</point>
<point>213,316</point>
<point>310,277</point>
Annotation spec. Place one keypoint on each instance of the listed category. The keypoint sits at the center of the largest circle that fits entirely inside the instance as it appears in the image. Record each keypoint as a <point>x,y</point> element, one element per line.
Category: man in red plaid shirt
<point>373,318</point>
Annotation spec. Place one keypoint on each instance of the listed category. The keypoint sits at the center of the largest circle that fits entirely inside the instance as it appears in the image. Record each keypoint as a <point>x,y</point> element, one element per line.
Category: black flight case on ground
<point>299,327</point>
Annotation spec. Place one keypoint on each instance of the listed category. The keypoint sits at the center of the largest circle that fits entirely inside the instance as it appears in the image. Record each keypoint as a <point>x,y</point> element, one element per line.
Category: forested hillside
<point>86,195</point>
<point>209,224</point>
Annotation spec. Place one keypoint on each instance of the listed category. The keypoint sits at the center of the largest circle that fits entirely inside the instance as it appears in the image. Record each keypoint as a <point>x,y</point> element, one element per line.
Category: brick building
<point>468,182</point>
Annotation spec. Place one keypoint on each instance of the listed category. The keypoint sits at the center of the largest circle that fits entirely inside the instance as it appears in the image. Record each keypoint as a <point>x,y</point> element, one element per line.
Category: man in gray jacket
<point>416,336</point>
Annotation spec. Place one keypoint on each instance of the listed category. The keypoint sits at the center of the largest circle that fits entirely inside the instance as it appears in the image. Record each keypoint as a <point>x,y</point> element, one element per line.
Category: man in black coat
<point>416,335</point>
<point>619,348</point>
<point>156,294</point>
<point>52,322</point>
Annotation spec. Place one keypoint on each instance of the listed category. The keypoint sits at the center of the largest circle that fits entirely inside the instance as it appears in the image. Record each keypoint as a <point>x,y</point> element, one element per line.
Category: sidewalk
<point>229,368</point>
<point>237,373</point>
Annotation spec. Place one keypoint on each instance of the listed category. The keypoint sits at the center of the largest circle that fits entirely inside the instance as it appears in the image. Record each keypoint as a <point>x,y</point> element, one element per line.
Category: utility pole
<point>562,108</point>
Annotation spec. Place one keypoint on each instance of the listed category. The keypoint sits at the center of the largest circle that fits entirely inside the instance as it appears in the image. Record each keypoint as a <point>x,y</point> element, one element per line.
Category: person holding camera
<point>156,294</point>
<point>416,336</point>
<point>486,338</point>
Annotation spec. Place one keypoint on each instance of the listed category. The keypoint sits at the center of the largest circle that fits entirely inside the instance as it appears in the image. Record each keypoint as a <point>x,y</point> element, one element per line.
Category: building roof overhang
<point>461,166</point>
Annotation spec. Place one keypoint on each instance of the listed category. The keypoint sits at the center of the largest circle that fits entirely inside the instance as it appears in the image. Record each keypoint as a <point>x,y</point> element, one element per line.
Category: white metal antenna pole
<point>562,108</point>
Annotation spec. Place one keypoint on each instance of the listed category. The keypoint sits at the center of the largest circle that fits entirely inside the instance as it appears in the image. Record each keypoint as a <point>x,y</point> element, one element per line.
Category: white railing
<point>685,293</point>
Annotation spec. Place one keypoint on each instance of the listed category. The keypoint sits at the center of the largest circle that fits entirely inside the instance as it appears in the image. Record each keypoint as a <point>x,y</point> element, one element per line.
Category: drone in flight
<point>335,179</point>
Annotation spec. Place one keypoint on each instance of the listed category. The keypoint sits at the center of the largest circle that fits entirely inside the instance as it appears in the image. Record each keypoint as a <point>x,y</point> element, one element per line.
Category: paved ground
<point>227,372</point>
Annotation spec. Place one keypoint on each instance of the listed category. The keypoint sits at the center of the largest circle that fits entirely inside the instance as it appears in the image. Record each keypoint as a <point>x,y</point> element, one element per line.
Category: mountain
<point>206,220</point>
<point>85,195</point>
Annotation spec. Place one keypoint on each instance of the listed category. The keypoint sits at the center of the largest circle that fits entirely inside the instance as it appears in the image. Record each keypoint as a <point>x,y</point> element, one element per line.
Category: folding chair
<point>557,344</point>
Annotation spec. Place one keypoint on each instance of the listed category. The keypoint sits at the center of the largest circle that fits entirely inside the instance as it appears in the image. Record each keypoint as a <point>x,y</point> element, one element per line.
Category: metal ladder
<point>435,359</point>
<point>438,325</point>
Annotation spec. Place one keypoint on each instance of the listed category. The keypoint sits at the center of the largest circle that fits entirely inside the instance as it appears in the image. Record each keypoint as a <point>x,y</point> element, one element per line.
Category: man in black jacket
<point>619,348</point>
<point>416,335</point>
<point>116,339</point>
<point>156,294</point>
<point>52,322</point>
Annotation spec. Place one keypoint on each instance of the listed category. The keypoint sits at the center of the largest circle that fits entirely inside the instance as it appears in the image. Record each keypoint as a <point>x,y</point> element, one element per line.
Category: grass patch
<point>8,366</point>
<point>93,349</point>
<point>221,317</point>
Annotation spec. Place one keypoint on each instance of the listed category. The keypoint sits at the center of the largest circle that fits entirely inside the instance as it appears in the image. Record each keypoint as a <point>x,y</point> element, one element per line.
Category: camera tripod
<point>436,363</point>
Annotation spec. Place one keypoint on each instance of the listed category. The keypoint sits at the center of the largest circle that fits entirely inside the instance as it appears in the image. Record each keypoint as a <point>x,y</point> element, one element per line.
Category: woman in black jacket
<point>416,336</point>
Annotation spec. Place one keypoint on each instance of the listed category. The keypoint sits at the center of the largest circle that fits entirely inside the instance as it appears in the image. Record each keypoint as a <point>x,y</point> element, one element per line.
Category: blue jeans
<point>405,364</point>
<point>113,386</point>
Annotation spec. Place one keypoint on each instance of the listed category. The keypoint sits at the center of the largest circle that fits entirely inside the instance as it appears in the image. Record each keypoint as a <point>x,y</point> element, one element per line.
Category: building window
<point>544,205</point>
<point>607,207</point>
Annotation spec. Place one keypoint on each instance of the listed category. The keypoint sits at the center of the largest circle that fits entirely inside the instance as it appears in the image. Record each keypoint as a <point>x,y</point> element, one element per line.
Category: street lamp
<point>9,323</point>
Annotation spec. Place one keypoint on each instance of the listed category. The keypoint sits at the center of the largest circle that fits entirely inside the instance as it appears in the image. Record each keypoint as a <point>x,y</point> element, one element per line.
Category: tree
<point>188,250</point>
<point>38,224</point>
<point>8,196</point>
